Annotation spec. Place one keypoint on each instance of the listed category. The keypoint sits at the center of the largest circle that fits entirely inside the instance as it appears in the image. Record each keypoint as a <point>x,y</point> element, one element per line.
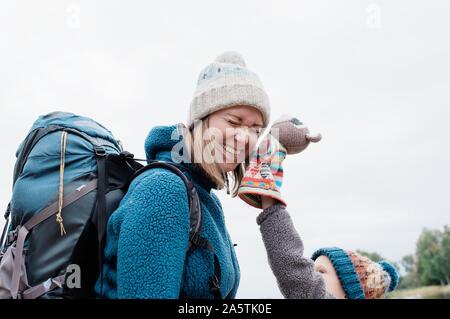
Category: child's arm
<point>294,273</point>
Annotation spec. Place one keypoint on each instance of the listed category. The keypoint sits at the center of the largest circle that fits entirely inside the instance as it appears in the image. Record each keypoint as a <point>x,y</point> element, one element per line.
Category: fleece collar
<point>160,143</point>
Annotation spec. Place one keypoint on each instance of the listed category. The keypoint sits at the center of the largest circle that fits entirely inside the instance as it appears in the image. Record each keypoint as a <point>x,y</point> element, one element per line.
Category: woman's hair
<point>196,140</point>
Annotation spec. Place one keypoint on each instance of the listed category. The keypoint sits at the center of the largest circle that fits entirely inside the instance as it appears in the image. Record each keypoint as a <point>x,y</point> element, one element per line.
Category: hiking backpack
<point>70,175</point>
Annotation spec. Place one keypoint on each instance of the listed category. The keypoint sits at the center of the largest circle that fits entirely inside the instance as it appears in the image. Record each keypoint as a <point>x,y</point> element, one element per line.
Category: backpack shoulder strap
<point>195,211</point>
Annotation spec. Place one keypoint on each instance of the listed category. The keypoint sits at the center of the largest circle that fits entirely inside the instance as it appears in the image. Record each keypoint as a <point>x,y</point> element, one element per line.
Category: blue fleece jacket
<point>147,235</point>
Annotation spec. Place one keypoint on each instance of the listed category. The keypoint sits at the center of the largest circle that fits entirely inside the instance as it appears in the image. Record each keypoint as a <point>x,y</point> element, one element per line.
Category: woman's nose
<point>241,136</point>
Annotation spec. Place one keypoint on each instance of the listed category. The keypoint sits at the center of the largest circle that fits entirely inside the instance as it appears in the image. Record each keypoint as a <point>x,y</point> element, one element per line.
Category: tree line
<point>428,265</point>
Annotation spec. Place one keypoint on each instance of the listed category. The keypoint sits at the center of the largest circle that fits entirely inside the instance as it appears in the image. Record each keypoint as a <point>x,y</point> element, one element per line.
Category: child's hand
<point>267,202</point>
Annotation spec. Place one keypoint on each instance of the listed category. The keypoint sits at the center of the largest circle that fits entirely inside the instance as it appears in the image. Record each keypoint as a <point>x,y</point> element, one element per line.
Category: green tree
<point>410,279</point>
<point>444,256</point>
<point>408,263</point>
<point>433,257</point>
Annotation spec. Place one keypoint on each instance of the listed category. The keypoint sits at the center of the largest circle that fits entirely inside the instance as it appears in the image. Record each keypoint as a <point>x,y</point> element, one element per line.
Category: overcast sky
<point>372,76</point>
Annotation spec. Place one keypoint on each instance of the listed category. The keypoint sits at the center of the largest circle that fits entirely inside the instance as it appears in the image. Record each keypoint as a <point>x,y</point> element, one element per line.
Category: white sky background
<point>372,76</point>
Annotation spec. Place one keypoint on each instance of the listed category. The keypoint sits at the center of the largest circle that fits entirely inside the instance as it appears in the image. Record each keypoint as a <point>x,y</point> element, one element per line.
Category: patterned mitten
<point>264,175</point>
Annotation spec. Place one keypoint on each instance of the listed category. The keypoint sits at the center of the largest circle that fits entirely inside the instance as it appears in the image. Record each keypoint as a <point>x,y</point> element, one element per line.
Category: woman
<point>147,235</point>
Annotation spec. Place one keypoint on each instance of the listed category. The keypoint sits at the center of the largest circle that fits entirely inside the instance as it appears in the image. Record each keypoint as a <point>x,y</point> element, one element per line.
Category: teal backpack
<point>70,175</point>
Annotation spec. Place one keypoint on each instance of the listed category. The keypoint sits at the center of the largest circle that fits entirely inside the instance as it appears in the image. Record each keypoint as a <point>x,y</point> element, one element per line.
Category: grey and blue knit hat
<point>360,277</point>
<point>227,82</point>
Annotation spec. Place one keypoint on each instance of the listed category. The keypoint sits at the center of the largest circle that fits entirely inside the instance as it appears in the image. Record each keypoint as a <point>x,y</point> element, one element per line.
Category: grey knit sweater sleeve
<point>294,273</point>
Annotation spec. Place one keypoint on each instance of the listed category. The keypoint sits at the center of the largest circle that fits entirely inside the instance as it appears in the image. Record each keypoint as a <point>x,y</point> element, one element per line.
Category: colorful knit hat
<point>224,83</point>
<point>360,277</point>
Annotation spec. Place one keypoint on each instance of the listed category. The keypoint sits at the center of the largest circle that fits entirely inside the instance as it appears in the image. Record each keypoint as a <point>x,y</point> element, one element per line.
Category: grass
<point>428,292</point>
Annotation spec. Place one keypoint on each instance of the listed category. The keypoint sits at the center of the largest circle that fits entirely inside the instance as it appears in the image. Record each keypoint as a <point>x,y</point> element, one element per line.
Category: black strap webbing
<point>101,207</point>
<point>5,227</point>
<point>214,282</point>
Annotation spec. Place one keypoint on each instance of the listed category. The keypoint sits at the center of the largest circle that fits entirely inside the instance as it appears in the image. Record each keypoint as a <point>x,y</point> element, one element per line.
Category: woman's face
<point>324,266</point>
<point>236,130</point>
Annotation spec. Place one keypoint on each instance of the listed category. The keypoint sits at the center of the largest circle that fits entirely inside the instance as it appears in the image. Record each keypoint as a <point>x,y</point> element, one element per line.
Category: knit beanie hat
<point>224,83</point>
<point>360,277</point>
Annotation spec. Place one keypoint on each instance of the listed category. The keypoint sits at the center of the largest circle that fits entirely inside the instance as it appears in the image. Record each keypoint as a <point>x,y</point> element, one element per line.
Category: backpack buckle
<point>99,151</point>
